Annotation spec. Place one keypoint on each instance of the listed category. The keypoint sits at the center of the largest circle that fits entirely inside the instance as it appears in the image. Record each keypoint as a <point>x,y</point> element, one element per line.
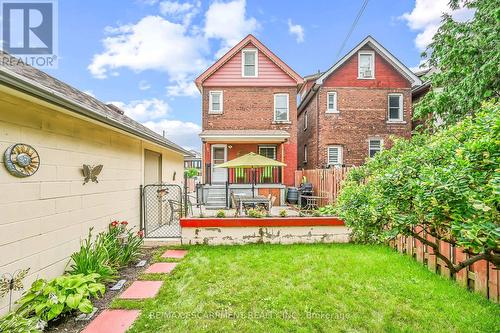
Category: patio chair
<point>235,205</point>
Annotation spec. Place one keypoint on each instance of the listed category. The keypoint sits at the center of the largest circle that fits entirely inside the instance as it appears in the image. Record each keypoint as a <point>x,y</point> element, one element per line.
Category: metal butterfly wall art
<point>91,172</point>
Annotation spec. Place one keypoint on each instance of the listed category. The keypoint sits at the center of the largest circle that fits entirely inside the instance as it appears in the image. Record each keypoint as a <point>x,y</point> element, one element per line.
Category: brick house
<point>348,112</point>
<point>249,105</point>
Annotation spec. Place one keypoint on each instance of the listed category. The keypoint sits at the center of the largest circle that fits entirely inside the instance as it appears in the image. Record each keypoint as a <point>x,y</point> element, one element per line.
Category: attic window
<point>366,65</point>
<point>249,63</point>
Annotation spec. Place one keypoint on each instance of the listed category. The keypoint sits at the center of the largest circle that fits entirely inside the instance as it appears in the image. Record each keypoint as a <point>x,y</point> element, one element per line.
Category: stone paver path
<point>119,321</point>
<point>176,254</point>
<point>112,321</point>
<point>142,290</point>
<point>161,267</point>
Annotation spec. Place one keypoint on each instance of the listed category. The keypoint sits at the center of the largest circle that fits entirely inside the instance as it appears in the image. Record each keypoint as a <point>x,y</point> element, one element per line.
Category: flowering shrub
<point>446,184</point>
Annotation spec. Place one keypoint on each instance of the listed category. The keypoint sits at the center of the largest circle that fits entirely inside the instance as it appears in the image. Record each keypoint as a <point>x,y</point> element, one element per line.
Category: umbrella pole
<point>253,182</point>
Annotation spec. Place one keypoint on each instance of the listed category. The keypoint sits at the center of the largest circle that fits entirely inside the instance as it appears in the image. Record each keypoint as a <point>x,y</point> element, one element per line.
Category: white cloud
<point>152,43</point>
<point>184,11</point>
<point>145,110</point>
<point>296,30</point>
<point>182,87</point>
<point>144,85</point>
<point>228,21</point>
<point>180,132</point>
<point>426,18</point>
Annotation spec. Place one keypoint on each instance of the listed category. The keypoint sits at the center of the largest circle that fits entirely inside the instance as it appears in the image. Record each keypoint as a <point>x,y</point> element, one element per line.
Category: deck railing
<point>264,175</point>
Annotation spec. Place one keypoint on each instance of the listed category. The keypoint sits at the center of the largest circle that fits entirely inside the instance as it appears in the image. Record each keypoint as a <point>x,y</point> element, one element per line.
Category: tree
<point>467,58</point>
<point>446,185</point>
<point>191,172</point>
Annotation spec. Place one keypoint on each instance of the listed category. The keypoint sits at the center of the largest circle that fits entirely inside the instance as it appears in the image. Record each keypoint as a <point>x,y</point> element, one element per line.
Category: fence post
<point>141,209</point>
<point>185,196</point>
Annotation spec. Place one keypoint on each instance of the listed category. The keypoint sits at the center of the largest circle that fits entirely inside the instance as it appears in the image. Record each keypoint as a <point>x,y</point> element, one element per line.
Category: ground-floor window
<point>268,151</point>
<point>334,153</point>
<point>374,146</point>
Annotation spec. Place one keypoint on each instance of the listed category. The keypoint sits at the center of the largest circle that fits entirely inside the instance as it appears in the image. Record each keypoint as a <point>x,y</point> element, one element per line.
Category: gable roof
<point>237,48</point>
<point>17,75</point>
<point>383,52</point>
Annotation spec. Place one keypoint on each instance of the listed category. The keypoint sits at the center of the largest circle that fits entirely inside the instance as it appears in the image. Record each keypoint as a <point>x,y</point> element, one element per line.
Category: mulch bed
<point>130,273</point>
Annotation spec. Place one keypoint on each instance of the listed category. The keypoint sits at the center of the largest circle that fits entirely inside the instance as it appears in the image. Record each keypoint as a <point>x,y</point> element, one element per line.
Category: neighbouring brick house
<point>349,112</point>
<point>249,105</point>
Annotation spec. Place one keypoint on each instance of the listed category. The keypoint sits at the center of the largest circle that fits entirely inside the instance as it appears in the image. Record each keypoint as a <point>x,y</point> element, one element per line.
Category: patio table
<point>311,202</point>
<point>248,199</point>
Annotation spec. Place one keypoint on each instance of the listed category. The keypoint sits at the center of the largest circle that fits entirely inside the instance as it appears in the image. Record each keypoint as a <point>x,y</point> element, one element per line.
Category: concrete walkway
<point>118,320</point>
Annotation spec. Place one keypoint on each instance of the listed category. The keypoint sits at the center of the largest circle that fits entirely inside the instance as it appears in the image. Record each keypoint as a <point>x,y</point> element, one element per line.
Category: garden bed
<point>130,273</point>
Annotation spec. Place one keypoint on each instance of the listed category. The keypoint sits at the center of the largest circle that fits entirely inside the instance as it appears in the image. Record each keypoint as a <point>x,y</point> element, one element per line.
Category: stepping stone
<point>141,263</point>
<point>177,254</point>
<point>142,289</point>
<point>161,267</point>
<point>112,321</point>
<point>118,285</point>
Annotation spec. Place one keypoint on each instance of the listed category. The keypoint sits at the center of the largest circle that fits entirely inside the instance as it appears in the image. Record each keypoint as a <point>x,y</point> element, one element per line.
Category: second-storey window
<point>366,65</point>
<point>334,155</point>
<point>268,151</point>
<point>331,102</point>
<point>215,102</point>
<point>250,63</point>
<point>281,107</point>
<point>305,120</point>
<point>395,107</point>
<point>374,146</point>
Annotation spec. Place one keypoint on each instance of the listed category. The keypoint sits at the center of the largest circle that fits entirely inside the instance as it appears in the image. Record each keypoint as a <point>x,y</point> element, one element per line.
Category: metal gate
<point>162,210</point>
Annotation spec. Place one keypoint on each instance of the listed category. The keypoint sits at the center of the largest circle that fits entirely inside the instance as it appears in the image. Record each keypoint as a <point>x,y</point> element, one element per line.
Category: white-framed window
<point>305,153</point>
<point>366,65</point>
<point>334,155</point>
<point>374,146</point>
<point>395,107</point>
<point>268,151</point>
<point>249,63</point>
<point>331,102</point>
<point>281,107</point>
<point>305,120</point>
<point>215,102</point>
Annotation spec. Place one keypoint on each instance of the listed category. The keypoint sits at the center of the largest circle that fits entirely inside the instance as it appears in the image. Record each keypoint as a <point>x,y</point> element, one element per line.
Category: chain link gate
<point>162,210</point>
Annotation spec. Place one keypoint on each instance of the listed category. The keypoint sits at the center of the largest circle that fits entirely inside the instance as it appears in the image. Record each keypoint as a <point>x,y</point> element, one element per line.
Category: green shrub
<point>220,214</point>
<point>191,172</point>
<point>328,210</point>
<point>18,323</point>
<point>255,213</point>
<point>447,183</point>
<point>49,299</point>
<point>283,213</point>
<point>92,259</point>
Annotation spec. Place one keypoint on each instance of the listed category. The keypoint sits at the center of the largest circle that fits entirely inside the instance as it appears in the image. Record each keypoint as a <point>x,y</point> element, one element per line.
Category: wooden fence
<point>481,277</point>
<point>326,182</point>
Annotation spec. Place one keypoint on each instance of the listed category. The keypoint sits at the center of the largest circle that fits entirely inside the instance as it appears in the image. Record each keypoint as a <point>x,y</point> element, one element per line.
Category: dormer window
<point>366,65</point>
<point>249,63</point>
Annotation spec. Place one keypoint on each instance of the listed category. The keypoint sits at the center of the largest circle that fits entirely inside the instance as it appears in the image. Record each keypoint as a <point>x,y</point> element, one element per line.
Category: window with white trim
<point>331,102</point>
<point>281,108</point>
<point>305,120</point>
<point>334,156</point>
<point>305,153</point>
<point>395,107</point>
<point>366,65</point>
<point>374,146</point>
<point>249,63</point>
<point>268,151</point>
<point>215,102</point>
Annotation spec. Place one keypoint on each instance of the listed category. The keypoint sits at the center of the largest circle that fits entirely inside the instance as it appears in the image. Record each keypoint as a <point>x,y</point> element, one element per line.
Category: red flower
<point>140,233</point>
<point>114,224</point>
<point>124,223</point>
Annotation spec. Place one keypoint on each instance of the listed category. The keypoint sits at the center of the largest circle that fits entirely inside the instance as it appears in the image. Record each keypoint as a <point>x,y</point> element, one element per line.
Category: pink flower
<point>114,224</point>
<point>140,233</point>
<point>124,222</point>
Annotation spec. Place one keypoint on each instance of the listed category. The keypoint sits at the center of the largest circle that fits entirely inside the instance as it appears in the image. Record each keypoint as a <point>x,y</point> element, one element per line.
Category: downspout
<point>317,128</point>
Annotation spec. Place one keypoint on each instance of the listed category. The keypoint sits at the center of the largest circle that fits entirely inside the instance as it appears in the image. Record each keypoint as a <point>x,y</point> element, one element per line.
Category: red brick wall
<point>362,106</point>
<point>247,108</point>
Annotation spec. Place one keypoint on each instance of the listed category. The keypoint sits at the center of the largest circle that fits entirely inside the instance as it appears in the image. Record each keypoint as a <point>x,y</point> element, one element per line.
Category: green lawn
<point>309,288</point>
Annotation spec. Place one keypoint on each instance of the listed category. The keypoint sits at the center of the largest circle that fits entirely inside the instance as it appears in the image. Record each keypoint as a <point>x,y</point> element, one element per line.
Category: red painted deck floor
<point>161,267</point>
<point>177,254</point>
<point>142,289</point>
<point>112,321</point>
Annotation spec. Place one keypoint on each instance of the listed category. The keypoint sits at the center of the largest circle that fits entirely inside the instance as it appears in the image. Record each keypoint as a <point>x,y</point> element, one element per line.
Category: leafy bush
<point>92,259</point>
<point>328,210</point>
<point>447,184</point>
<point>220,214</point>
<point>49,299</point>
<point>191,172</point>
<point>283,213</point>
<point>19,323</point>
<point>255,213</point>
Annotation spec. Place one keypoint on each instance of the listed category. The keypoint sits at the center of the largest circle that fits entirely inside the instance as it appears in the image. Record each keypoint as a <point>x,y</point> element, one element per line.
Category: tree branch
<point>438,254</point>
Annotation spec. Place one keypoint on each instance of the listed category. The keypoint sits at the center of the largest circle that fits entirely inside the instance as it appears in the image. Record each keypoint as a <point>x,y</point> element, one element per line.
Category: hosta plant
<point>19,323</point>
<point>48,300</point>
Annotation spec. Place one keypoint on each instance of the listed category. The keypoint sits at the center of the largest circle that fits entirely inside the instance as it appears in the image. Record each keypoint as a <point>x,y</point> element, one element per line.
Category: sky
<point>143,55</point>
